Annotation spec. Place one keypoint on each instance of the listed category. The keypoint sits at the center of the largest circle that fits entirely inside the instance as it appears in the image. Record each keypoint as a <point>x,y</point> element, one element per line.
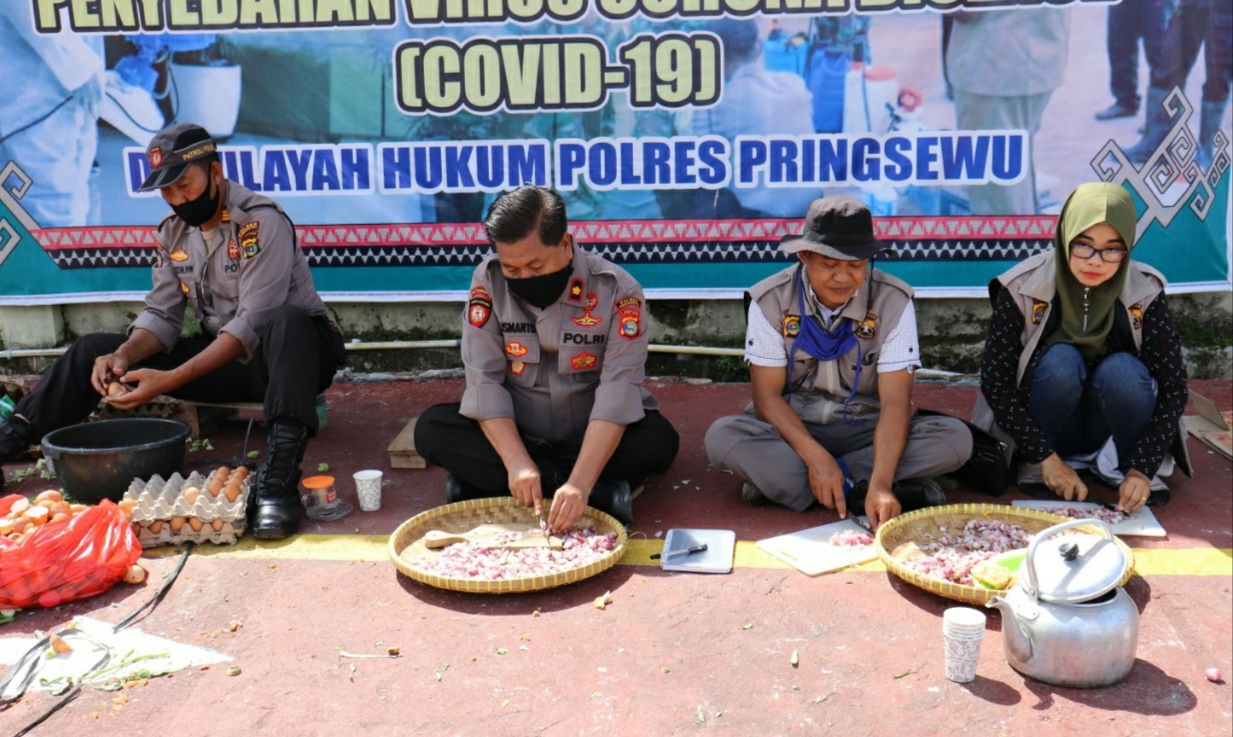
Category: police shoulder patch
<point>249,243</point>
<point>479,308</point>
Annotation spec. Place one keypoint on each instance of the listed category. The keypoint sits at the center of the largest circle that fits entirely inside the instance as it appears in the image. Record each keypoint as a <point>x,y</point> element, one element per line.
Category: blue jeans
<point>1079,413</point>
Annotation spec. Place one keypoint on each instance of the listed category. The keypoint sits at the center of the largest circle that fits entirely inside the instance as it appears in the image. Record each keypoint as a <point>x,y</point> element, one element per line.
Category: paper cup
<point>368,489</point>
<point>963,630</point>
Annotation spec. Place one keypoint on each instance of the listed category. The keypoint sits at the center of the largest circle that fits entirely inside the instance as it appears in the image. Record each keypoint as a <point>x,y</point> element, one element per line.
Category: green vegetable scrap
<point>254,453</point>
<point>796,659</point>
<point>323,467</point>
<point>700,716</point>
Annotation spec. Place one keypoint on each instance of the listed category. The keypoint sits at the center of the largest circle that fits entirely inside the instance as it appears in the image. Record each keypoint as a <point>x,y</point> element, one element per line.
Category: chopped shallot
<point>953,556</point>
<point>471,561</point>
<point>851,539</point>
<point>1109,516</point>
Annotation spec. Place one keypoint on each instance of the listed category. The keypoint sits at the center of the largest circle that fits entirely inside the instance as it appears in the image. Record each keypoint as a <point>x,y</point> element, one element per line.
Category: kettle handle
<point>1029,582</point>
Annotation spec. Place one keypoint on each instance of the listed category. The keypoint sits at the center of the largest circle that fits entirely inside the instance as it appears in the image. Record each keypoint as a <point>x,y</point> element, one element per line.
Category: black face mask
<point>541,291</point>
<point>198,211</point>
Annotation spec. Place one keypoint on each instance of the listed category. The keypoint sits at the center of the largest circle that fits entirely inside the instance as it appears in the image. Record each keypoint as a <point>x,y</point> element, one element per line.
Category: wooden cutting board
<point>1142,523</point>
<point>490,536</point>
<point>811,552</point>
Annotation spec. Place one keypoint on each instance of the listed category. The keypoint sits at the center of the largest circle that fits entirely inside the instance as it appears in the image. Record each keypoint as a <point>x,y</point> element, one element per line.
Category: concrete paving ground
<point>674,653</point>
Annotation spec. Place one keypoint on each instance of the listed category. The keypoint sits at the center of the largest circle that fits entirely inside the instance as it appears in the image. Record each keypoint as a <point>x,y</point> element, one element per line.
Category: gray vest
<point>819,389</point>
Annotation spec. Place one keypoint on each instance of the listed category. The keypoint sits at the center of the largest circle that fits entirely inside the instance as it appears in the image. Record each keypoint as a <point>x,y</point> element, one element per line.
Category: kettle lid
<point>1077,566</point>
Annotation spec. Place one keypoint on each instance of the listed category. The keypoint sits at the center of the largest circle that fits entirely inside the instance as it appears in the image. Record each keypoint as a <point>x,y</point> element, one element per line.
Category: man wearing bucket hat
<point>230,255</point>
<point>555,343</point>
<point>832,345</point>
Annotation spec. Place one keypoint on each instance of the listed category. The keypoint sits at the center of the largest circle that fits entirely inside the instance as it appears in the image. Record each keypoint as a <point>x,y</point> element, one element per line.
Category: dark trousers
<point>1218,53</point>
<point>1079,412</point>
<point>295,362</point>
<point>457,444</point>
<point>1128,22</point>
<point>1181,41</point>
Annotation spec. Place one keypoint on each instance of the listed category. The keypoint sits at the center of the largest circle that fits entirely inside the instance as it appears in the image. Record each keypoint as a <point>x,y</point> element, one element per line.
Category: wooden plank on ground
<point>402,450</point>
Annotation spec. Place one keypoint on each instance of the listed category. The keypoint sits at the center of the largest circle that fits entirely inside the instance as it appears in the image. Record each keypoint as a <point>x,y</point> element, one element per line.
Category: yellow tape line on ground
<point>1153,562</point>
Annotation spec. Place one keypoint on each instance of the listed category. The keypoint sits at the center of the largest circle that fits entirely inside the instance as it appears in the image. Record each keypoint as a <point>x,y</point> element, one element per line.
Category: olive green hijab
<point>1090,204</point>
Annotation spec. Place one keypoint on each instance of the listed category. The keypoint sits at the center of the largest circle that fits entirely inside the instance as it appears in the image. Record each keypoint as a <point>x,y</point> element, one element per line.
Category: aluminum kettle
<point>1066,621</point>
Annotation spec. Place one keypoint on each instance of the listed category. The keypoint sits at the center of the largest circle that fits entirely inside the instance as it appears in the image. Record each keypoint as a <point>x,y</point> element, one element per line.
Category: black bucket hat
<point>836,227</point>
<point>171,151</point>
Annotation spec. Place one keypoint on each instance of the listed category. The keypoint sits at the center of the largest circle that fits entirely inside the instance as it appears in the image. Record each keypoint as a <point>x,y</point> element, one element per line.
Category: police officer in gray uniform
<point>832,345</point>
<point>230,255</point>
<point>554,342</point>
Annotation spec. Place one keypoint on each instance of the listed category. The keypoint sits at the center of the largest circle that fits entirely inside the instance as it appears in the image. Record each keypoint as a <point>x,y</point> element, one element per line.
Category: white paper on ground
<point>127,643</point>
<point>811,552</point>
<point>1142,523</point>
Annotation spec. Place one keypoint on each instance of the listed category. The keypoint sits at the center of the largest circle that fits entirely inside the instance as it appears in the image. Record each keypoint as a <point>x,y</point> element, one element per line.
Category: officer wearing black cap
<point>832,346</point>
<point>230,256</point>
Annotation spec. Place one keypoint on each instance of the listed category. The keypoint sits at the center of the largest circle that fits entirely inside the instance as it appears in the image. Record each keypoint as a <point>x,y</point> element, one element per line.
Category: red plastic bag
<point>71,559</point>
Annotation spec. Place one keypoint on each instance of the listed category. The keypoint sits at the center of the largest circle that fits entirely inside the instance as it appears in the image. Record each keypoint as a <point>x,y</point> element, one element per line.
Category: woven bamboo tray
<point>406,544</point>
<point>898,542</point>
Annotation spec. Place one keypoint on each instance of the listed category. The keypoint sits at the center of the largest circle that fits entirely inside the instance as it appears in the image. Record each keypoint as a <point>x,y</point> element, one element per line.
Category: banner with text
<point>687,136</point>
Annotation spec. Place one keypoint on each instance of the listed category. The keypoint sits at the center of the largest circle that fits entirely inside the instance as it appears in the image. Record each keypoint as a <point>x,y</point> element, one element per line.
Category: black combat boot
<point>614,497</point>
<point>276,511</point>
<point>14,437</point>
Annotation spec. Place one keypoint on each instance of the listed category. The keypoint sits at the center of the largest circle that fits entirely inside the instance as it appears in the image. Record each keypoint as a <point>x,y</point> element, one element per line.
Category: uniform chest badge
<point>226,215</point>
<point>591,303</point>
<point>233,251</point>
<point>575,290</point>
<point>515,349</point>
<point>587,320</point>
<point>868,327</point>
<point>1038,311</point>
<point>1136,315</point>
<point>178,254</point>
<point>479,309</point>
<point>791,326</point>
<point>184,288</point>
<point>583,361</point>
<point>517,368</point>
<point>249,244</point>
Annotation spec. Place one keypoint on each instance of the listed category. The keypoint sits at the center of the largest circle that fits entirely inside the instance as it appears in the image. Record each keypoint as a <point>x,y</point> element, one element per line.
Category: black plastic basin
<point>98,460</point>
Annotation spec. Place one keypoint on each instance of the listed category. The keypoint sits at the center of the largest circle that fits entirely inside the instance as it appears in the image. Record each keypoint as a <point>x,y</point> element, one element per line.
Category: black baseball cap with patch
<point>171,151</point>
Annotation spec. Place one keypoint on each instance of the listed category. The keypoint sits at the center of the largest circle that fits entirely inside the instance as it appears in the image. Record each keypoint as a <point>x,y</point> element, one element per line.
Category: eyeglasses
<point>1108,255</point>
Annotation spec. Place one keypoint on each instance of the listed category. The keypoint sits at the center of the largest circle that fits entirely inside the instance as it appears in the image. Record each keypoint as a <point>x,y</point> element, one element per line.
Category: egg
<point>127,506</point>
<point>232,493</point>
<point>51,495</point>
<point>176,524</point>
<point>217,524</point>
<point>192,492</point>
<point>214,487</point>
<point>135,574</point>
<point>242,471</point>
<point>222,472</point>
<point>116,389</point>
<point>156,527</point>
<point>195,523</point>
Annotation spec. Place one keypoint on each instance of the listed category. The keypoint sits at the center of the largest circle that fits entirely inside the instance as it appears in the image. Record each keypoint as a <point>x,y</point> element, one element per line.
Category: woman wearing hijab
<point>1081,352</point>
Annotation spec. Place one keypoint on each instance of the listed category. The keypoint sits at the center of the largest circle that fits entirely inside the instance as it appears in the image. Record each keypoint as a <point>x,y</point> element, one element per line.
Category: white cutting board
<point>1141,523</point>
<point>810,550</point>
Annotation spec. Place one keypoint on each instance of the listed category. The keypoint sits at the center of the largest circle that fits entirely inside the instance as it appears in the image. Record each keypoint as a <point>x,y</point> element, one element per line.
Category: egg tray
<point>159,501</point>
